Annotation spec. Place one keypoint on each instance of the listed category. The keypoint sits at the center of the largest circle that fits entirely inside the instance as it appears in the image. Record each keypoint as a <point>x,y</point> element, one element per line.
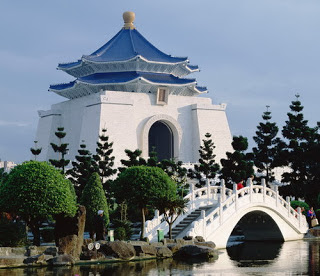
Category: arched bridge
<point>214,211</point>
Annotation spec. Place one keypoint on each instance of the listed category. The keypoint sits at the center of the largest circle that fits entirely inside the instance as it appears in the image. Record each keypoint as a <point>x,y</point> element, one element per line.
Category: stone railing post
<point>250,183</point>
<point>203,218</point>
<point>277,195</point>
<point>157,216</point>
<point>208,191</point>
<point>192,195</point>
<point>235,196</point>
<point>220,210</point>
<point>223,190</point>
<point>288,204</point>
<point>299,215</point>
<point>263,184</point>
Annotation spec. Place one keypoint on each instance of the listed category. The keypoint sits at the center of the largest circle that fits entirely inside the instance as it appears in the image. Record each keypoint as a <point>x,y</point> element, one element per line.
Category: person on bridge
<point>240,185</point>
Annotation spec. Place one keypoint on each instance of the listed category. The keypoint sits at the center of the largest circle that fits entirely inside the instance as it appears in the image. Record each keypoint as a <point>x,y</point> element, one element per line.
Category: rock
<point>164,252</point>
<point>32,250</point>
<point>138,243</point>
<point>199,239</point>
<point>37,259</point>
<point>158,244</point>
<point>145,250</point>
<point>195,252</point>
<point>118,249</point>
<point>64,259</point>
<point>11,261</point>
<point>208,244</point>
<point>69,233</point>
<point>174,247</point>
<point>51,251</point>
<point>169,240</point>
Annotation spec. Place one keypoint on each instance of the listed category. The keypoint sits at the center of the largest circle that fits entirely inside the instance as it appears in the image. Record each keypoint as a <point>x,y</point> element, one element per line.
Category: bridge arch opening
<point>257,226</point>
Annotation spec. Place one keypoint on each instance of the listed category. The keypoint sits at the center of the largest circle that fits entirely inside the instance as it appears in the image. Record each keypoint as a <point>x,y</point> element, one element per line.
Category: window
<point>162,96</point>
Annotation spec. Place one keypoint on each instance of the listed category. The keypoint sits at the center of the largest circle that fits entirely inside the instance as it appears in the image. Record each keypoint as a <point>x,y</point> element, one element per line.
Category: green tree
<point>3,175</point>
<point>177,173</point>
<point>82,169</point>
<point>36,190</point>
<point>35,151</point>
<point>300,141</point>
<point>207,168</point>
<point>104,160</point>
<point>266,152</point>
<point>94,199</point>
<point>61,148</point>
<point>141,186</point>
<point>238,165</point>
<point>135,159</point>
<point>171,208</point>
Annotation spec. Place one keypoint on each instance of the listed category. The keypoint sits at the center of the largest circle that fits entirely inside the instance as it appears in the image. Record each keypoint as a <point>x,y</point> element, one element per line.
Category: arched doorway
<point>161,140</point>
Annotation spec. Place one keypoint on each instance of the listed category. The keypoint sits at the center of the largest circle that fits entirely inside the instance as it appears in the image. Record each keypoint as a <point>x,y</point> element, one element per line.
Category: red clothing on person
<point>239,186</point>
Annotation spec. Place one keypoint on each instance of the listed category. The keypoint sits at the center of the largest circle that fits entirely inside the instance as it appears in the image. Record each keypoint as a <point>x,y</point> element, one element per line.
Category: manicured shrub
<point>126,225</point>
<point>296,203</point>
<point>35,191</point>
<point>94,199</point>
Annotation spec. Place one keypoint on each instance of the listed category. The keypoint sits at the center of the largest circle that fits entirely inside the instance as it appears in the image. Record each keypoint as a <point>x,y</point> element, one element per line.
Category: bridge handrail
<point>197,198</point>
<point>296,219</point>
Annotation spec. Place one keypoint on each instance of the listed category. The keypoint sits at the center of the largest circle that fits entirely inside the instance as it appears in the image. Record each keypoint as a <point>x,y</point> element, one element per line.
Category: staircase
<point>187,221</point>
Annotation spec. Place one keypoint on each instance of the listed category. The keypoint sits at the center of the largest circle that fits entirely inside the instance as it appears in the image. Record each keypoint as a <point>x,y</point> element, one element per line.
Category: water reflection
<point>254,253</point>
<point>264,258</point>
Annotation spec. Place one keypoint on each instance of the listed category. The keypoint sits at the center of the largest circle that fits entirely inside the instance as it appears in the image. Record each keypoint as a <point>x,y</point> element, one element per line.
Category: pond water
<point>249,258</point>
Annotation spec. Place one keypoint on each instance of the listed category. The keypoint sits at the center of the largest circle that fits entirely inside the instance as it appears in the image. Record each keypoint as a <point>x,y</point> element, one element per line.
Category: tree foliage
<point>94,199</point>
<point>238,165</point>
<point>61,148</point>
<point>141,186</point>
<point>35,190</point>
<point>300,151</point>
<point>104,161</point>
<point>266,152</point>
<point>35,151</point>
<point>207,168</point>
<point>82,169</point>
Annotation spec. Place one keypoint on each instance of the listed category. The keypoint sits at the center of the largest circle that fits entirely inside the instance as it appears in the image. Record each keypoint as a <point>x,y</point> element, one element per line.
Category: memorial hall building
<point>143,98</point>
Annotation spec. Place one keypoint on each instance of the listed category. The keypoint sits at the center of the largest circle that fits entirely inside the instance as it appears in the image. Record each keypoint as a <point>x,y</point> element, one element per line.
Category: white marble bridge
<point>214,211</point>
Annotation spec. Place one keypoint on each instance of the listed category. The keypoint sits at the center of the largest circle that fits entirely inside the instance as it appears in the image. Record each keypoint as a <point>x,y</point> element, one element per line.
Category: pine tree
<point>35,151</point>
<point>238,165</point>
<point>104,160</point>
<point>207,168</point>
<point>135,159</point>
<point>61,149</point>
<point>82,169</point>
<point>265,154</point>
<point>299,140</point>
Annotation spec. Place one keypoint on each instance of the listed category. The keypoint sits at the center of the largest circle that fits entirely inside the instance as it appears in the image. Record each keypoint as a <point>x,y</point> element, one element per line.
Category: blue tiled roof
<point>125,45</point>
<point>123,77</point>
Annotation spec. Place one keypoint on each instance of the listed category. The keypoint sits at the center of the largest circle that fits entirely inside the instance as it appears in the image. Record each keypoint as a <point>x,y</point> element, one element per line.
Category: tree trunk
<point>170,230</point>
<point>34,226</point>
<point>143,223</point>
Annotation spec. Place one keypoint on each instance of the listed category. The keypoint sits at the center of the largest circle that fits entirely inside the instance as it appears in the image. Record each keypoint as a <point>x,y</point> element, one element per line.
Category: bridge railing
<point>205,196</point>
<point>242,197</point>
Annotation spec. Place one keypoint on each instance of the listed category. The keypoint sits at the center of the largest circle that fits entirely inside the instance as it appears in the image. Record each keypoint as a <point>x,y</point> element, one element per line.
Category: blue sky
<point>251,54</point>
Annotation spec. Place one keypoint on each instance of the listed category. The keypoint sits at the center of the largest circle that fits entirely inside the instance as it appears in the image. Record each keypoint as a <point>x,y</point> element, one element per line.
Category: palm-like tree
<point>171,208</point>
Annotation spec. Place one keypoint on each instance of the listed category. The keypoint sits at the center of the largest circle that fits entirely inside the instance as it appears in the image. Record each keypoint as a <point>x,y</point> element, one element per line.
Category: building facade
<point>141,96</point>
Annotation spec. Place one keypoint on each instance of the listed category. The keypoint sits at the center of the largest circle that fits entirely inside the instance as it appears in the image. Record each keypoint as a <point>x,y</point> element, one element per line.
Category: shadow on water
<point>254,253</point>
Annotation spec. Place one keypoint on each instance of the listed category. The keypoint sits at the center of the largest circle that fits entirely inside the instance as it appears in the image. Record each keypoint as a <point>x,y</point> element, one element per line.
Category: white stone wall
<point>127,116</point>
